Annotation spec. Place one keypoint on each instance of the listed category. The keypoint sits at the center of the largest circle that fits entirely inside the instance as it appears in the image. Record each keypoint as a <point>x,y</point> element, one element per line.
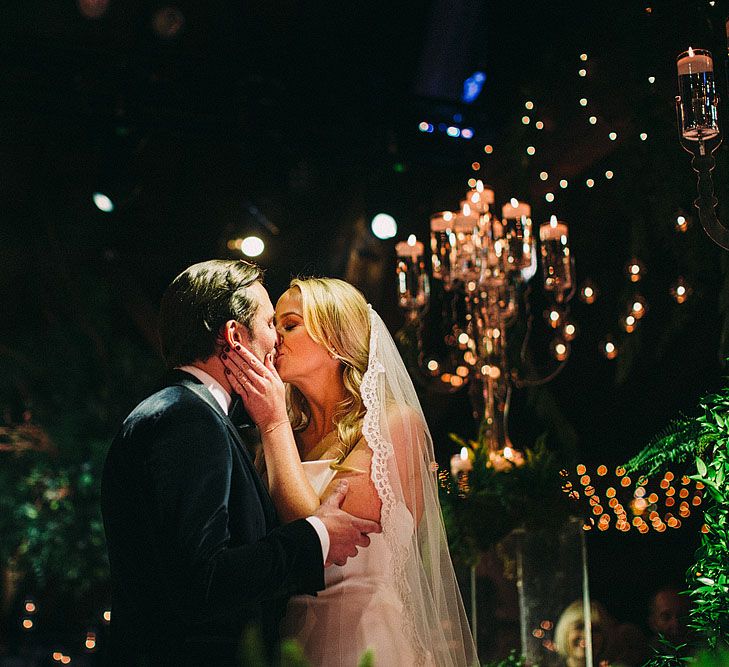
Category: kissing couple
<point>330,533</point>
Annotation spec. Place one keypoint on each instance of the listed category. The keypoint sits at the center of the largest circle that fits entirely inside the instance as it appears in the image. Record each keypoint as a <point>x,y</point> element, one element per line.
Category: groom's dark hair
<point>198,303</point>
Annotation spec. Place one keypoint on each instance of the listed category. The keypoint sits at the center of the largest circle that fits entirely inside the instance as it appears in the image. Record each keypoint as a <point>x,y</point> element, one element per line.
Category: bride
<point>348,410</point>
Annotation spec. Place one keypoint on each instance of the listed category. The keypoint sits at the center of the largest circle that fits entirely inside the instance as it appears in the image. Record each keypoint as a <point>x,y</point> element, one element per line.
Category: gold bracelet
<point>275,426</point>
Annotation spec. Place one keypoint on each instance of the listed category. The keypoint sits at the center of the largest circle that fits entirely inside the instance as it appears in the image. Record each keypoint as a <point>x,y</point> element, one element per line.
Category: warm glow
<point>463,338</point>
<point>488,148</point>
<point>544,175</point>
<point>549,197</point>
<point>27,623</point>
<point>529,105</point>
<point>539,125</point>
<point>583,102</point>
<point>433,365</point>
<point>526,120</point>
<point>613,136</point>
<point>592,120</point>
<point>252,246</point>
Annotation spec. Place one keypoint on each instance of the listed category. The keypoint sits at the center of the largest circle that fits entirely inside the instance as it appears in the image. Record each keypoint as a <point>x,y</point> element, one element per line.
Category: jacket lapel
<point>248,431</point>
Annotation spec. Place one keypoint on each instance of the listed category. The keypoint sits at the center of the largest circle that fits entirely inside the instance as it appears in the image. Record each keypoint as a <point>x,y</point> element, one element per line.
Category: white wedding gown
<point>360,608</point>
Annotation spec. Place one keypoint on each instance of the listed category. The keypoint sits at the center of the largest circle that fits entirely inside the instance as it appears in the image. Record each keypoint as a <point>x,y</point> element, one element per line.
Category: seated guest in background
<point>629,645</point>
<point>668,616</point>
<point>569,635</point>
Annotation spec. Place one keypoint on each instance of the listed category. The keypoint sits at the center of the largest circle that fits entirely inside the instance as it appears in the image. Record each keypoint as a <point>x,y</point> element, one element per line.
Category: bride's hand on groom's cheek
<point>257,383</point>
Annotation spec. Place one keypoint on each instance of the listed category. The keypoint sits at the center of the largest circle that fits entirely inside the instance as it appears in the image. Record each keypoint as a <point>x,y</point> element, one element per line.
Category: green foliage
<point>514,659</point>
<point>50,521</point>
<point>492,503</point>
<point>704,441</point>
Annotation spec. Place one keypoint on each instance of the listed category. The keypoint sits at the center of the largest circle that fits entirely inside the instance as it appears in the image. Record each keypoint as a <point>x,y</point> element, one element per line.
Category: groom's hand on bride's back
<point>346,532</point>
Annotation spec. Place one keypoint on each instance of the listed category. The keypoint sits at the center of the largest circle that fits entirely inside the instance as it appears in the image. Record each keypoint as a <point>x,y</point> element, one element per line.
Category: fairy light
<point>539,125</point>
<point>643,136</point>
<point>549,197</point>
<point>651,79</point>
<point>27,623</point>
<point>592,120</point>
<point>526,120</point>
<point>531,150</point>
<point>588,293</point>
<point>680,290</point>
<point>635,270</point>
<point>583,57</point>
<point>583,101</point>
<point>488,149</point>
<point>543,175</point>
<point>563,183</point>
<point>589,182</point>
<point>609,349</point>
<point>475,166</point>
<point>582,72</point>
<point>681,223</point>
<point>609,174</point>
<point>613,136</point>
<point>529,105</point>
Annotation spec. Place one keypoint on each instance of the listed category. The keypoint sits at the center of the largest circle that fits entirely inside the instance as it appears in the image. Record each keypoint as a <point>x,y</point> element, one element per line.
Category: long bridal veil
<point>404,471</point>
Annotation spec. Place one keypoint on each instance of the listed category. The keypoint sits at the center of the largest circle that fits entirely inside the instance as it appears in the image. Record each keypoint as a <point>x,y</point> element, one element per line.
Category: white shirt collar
<point>211,384</point>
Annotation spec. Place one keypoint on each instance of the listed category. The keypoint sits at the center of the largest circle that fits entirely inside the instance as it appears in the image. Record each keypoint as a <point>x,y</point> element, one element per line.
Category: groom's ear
<point>234,333</point>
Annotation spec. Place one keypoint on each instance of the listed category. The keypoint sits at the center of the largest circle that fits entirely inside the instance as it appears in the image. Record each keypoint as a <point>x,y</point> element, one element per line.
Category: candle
<point>410,248</point>
<point>553,231</point>
<point>697,102</point>
<point>515,209</point>
<point>694,62</point>
<point>440,222</point>
<point>461,463</point>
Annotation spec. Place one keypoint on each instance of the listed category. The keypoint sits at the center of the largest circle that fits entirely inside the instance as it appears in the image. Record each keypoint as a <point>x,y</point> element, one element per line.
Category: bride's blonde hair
<point>336,316</point>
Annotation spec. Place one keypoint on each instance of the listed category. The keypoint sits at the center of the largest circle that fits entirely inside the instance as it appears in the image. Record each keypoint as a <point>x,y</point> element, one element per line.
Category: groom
<point>195,547</point>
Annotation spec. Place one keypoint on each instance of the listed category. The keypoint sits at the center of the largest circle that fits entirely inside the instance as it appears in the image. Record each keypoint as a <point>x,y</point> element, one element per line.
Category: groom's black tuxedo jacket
<point>195,547</point>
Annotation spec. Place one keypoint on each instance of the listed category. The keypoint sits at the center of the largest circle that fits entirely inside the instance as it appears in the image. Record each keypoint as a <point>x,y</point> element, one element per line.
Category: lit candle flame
<point>514,202</point>
<point>479,186</point>
<point>508,453</point>
<point>691,52</point>
<point>412,240</point>
<point>553,221</point>
<point>464,454</point>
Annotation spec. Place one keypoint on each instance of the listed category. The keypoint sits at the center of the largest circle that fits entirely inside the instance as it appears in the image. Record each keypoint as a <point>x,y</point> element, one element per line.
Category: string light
<point>488,148</point>
<point>531,150</point>
<point>651,79</point>
<point>583,102</point>
<point>589,182</point>
<point>526,120</point>
<point>592,120</point>
<point>588,292</point>
<point>609,349</point>
<point>582,72</point>
<point>681,223</point>
<point>549,197</point>
<point>563,183</point>
<point>613,136</point>
<point>539,125</point>
<point>583,57</point>
<point>680,290</point>
<point>635,270</point>
<point>643,136</point>
<point>529,105</point>
<point>543,175</point>
<point>609,174</point>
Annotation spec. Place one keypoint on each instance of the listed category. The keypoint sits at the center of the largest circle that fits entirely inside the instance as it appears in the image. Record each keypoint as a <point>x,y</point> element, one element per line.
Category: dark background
<point>303,118</point>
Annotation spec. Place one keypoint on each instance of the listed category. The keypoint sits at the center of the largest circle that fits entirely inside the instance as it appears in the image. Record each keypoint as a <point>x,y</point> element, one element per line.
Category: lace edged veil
<point>404,472</point>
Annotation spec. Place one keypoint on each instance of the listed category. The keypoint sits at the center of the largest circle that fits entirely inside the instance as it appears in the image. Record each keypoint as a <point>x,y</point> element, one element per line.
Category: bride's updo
<point>336,316</point>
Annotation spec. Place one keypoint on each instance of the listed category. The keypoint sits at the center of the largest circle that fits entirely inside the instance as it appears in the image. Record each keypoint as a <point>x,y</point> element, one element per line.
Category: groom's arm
<point>187,474</point>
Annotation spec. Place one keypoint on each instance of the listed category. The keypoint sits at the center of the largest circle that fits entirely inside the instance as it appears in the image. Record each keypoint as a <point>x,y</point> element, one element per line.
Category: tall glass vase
<point>550,571</point>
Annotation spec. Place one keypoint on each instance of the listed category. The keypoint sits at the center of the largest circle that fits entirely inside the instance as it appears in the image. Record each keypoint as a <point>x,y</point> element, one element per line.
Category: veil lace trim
<point>382,451</point>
